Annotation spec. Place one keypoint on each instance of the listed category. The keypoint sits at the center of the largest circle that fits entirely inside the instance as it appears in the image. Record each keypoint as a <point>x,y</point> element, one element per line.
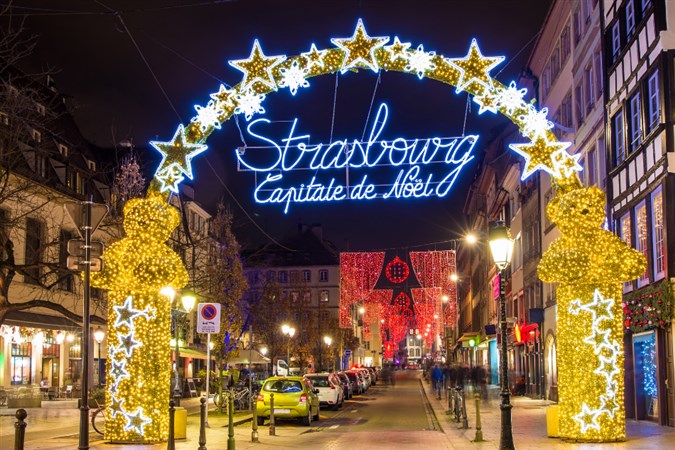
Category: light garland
<point>590,264</point>
<point>138,368</point>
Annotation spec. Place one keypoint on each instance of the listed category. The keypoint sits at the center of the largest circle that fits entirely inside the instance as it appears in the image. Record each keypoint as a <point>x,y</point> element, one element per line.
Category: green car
<point>294,398</point>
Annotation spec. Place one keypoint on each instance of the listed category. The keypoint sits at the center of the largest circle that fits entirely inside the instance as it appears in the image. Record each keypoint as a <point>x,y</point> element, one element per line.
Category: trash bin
<point>180,423</point>
<point>552,421</point>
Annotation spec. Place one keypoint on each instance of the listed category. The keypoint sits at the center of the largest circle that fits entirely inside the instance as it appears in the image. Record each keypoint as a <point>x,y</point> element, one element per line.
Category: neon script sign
<point>422,168</point>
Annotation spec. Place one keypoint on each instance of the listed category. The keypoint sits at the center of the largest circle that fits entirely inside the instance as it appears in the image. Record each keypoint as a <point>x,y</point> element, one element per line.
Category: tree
<point>34,182</point>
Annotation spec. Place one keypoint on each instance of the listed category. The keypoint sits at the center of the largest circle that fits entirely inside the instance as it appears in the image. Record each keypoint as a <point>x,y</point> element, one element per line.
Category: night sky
<point>101,52</point>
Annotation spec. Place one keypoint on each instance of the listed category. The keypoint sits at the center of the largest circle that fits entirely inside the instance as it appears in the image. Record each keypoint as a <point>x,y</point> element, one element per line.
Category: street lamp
<point>98,335</point>
<point>327,340</point>
<point>188,301</point>
<point>290,332</point>
<point>501,246</point>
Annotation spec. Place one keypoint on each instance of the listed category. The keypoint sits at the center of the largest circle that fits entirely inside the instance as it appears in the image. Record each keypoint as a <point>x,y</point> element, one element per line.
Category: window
<point>546,81</point>
<point>625,230</point>
<point>295,296</point>
<point>577,26</point>
<point>565,44</point>
<point>630,18</point>
<point>295,276</point>
<point>323,296</point>
<point>21,358</point>
<point>589,84</point>
<point>92,165</point>
<point>74,371</point>
<point>587,11</point>
<point>601,152</point>
<point>597,63</point>
<point>641,239</point>
<point>618,144</point>
<point>40,108</point>
<point>555,64</point>
<point>634,123</point>
<point>4,232</point>
<point>657,235</point>
<point>616,40</point>
<point>36,136</point>
<point>325,316</point>
<point>323,275</point>
<point>63,150</point>
<point>307,297</point>
<point>271,276</point>
<point>283,276</point>
<point>653,101</point>
<point>591,168</point>
<point>307,276</point>
<point>579,104</point>
<point>34,243</point>
<point>645,5</point>
<point>566,112</point>
<point>66,282</point>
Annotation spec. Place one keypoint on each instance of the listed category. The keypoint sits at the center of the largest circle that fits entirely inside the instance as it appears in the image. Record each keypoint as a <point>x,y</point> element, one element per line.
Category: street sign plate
<point>348,352</point>
<point>76,263</point>
<point>76,248</point>
<point>75,211</point>
<point>208,318</point>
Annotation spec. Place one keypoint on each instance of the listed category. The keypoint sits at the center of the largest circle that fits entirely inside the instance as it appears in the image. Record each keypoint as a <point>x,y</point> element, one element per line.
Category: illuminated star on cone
<point>537,154</point>
<point>136,421</point>
<point>564,164</point>
<point>177,152</point>
<point>474,68</point>
<point>127,343</point>
<point>257,68</point>
<point>360,49</point>
<point>116,406</point>
<point>126,313</point>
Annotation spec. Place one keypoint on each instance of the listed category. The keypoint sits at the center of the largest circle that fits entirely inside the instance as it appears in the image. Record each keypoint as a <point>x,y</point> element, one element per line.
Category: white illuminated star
<point>116,406</point>
<point>249,103</point>
<point>398,50</point>
<point>487,102</point>
<point>136,421</point>
<point>587,418</point>
<point>257,68</point>
<point>208,116</point>
<point>314,57</point>
<point>360,49</point>
<point>564,164</point>
<point>126,313</point>
<point>178,152</point>
<point>607,368</point>
<point>474,68</point>
<point>127,343</point>
<point>511,98</point>
<point>118,371</point>
<point>420,61</point>
<point>224,97</point>
<point>294,77</point>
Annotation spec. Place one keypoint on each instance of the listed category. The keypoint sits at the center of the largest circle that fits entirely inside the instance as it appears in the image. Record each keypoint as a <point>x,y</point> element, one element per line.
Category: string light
<point>136,269</point>
<point>294,77</point>
<point>249,103</point>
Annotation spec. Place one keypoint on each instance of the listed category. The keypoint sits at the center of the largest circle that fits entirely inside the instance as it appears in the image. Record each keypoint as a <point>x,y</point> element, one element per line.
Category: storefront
<point>645,369</point>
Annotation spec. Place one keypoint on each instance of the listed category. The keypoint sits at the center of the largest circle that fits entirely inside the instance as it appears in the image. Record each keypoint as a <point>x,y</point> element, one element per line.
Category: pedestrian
<point>437,378</point>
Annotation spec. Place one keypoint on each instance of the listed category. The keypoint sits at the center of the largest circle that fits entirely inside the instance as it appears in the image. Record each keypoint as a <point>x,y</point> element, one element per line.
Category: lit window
<point>36,135</point>
<point>657,235</point>
<point>630,18</point>
<point>40,109</point>
<point>283,276</point>
<point>307,276</point>
<point>625,229</point>
<point>653,105</point>
<point>323,296</point>
<point>323,275</point>
<point>634,122</point>
<point>641,238</point>
<point>63,150</point>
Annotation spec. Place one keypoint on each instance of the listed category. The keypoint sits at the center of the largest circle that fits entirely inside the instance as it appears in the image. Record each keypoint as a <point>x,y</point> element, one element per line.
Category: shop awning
<point>193,353</point>
<point>243,358</point>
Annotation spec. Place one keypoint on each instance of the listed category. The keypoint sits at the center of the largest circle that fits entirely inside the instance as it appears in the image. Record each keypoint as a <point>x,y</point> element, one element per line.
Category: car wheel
<point>261,421</point>
<point>318,412</point>
<point>307,421</point>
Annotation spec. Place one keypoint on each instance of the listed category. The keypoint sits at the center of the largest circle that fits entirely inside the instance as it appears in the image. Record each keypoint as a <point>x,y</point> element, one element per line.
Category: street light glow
<point>445,298</point>
<point>362,310</point>
<point>285,328</point>
<point>188,299</point>
<point>263,351</point>
<point>327,340</point>
<point>471,238</point>
<point>168,292</point>
<point>98,335</point>
<point>454,277</point>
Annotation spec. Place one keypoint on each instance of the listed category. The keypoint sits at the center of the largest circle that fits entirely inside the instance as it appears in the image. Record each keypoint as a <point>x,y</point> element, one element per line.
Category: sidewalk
<point>529,427</point>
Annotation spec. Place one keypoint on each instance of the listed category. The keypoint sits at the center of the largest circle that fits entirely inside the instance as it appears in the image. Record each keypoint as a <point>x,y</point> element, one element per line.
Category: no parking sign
<point>208,318</point>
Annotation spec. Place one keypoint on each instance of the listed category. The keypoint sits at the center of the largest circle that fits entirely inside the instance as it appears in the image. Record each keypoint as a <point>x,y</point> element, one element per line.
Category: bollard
<point>20,427</point>
<point>171,443</point>
<point>465,421</point>
<point>272,430</point>
<point>202,424</point>
<point>479,432</point>
<point>254,426</point>
<point>230,426</point>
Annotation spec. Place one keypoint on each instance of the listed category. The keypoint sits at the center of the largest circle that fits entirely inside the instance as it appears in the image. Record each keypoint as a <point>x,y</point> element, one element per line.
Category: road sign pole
<point>208,375</point>
<point>84,406</point>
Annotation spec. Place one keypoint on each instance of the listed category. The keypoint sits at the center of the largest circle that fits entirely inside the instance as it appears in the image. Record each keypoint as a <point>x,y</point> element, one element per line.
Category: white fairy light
<point>207,116</point>
<point>294,77</point>
<point>249,103</point>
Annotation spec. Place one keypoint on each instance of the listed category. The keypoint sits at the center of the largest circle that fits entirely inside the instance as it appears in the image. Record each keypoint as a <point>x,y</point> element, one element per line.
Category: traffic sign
<point>208,318</point>
<point>77,263</point>
<point>76,212</point>
<point>76,248</point>
<point>348,353</point>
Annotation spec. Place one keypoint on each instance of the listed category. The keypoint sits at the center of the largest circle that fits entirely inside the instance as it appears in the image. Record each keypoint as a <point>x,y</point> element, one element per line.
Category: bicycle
<point>98,418</point>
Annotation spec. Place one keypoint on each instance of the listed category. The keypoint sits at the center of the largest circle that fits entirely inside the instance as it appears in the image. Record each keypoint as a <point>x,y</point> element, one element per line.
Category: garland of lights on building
<point>648,308</point>
<point>138,368</point>
<point>587,261</point>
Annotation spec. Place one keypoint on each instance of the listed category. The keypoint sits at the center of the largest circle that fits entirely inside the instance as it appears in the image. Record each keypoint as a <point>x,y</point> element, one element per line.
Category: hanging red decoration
<point>434,270</point>
<point>397,271</point>
<point>358,274</point>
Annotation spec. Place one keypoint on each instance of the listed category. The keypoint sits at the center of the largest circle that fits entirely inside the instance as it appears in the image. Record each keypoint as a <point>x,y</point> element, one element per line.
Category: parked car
<point>347,386</point>
<point>363,383</point>
<point>294,398</point>
<point>373,375</point>
<point>330,389</point>
<point>355,380</point>
<point>366,374</point>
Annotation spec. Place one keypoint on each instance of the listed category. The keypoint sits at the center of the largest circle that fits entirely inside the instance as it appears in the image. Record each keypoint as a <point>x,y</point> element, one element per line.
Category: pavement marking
<point>333,427</point>
<point>354,410</point>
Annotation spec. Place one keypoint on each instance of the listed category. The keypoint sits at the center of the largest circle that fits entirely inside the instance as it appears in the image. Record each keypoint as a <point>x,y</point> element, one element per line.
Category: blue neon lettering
<point>428,166</point>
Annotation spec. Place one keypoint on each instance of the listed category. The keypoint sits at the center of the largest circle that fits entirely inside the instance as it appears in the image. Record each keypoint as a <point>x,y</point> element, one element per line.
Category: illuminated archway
<point>588,262</point>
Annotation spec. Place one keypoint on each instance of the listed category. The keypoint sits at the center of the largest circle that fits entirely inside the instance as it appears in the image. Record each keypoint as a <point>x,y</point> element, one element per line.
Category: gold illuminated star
<point>128,343</point>
<point>116,406</point>
<point>170,179</point>
<point>126,313</point>
<point>587,418</point>
<point>360,49</point>
<point>487,102</point>
<point>314,57</point>
<point>609,404</point>
<point>564,164</point>
<point>600,307</point>
<point>474,68</point>
<point>397,50</point>
<point>177,153</point>
<point>537,154</point>
<point>599,339</point>
<point>136,421</point>
<point>224,97</point>
<point>258,67</point>
<point>607,368</point>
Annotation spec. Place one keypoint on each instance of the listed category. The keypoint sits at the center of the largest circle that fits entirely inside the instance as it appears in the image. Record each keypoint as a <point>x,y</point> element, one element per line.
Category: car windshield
<point>283,386</point>
<point>320,382</point>
<point>352,376</point>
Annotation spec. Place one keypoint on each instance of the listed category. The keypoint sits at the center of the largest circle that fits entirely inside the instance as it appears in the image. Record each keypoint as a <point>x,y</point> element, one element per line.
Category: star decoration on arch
<point>487,102</point>
<point>420,61</point>
<point>224,98</point>
<point>126,313</point>
<point>360,49</point>
<point>170,179</point>
<point>136,421</point>
<point>314,57</point>
<point>127,343</point>
<point>564,164</point>
<point>207,116</point>
<point>474,68</point>
<point>398,50</point>
<point>537,154</point>
<point>177,152</point>
<point>587,418</point>
<point>257,68</point>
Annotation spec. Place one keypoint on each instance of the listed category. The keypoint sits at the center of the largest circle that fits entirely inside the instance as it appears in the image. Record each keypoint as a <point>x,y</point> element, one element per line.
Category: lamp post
<point>98,335</point>
<point>501,246</point>
<point>327,340</point>
<point>188,300</point>
<point>290,332</point>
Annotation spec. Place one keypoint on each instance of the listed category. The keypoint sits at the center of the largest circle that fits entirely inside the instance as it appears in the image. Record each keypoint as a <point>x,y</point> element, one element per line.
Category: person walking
<point>437,378</point>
